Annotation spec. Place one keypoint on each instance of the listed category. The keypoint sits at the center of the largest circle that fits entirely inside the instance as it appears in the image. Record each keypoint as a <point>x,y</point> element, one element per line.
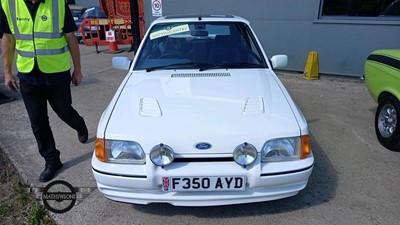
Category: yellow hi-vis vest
<point>41,39</point>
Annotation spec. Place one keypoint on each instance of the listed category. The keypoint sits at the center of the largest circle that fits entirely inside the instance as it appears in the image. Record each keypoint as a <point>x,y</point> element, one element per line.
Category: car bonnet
<point>180,108</point>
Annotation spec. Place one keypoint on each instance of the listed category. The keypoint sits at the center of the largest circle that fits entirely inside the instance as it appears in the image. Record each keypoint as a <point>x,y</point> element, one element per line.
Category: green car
<point>382,77</point>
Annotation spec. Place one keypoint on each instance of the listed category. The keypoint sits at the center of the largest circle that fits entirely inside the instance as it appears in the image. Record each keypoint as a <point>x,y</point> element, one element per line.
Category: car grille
<point>219,159</point>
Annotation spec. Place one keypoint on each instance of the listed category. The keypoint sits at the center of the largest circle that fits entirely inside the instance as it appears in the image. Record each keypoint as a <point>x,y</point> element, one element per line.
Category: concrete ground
<point>355,180</point>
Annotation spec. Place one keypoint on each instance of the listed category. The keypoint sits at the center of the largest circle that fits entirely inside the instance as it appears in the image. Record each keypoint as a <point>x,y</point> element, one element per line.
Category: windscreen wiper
<point>201,67</point>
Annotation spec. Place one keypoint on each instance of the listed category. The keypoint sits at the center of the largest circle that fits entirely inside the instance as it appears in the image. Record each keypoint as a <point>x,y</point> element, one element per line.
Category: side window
<point>360,8</point>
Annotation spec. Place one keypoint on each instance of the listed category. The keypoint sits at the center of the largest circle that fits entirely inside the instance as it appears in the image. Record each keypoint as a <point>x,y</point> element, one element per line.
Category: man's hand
<point>77,77</point>
<point>11,83</point>
<point>76,58</point>
<point>8,49</point>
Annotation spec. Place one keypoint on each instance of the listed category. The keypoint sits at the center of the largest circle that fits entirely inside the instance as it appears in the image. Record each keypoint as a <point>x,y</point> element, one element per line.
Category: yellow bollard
<point>311,71</point>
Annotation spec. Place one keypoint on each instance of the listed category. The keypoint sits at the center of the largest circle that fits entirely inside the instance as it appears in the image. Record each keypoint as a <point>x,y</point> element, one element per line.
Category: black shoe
<point>49,172</point>
<point>83,135</point>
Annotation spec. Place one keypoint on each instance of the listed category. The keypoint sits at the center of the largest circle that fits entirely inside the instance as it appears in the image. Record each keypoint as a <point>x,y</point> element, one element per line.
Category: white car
<point>201,119</point>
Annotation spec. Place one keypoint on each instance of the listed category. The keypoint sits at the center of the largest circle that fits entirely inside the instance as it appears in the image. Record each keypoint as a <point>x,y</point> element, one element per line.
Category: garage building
<point>343,32</point>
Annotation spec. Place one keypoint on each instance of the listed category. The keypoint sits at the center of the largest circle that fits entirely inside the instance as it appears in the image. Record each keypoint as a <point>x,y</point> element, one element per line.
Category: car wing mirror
<point>121,63</point>
<point>279,61</point>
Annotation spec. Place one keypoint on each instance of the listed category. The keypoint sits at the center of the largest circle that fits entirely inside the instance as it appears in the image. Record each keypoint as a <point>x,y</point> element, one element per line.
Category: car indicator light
<point>100,150</point>
<point>305,146</point>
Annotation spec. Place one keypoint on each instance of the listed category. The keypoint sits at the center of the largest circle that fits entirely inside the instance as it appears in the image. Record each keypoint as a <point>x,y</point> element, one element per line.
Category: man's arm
<point>76,58</point>
<point>8,50</point>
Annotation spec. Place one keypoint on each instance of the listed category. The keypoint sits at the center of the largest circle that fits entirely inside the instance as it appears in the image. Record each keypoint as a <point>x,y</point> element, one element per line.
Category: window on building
<point>361,8</point>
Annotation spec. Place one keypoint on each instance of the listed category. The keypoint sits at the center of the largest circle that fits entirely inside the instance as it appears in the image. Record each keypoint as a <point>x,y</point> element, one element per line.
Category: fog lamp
<point>161,155</point>
<point>245,154</point>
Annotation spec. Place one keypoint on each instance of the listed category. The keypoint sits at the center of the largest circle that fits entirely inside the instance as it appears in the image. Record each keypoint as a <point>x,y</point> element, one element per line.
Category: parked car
<point>201,119</point>
<point>77,11</point>
<point>90,13</point>
<point>382,77</point>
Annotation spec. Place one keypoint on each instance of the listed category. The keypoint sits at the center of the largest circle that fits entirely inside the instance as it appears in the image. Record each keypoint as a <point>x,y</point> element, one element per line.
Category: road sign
<point>110,36</point>
<point>156,7</point>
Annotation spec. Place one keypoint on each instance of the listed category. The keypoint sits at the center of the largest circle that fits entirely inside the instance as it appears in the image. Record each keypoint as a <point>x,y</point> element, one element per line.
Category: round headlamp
<point>245,154</point>
<point>161,155</point>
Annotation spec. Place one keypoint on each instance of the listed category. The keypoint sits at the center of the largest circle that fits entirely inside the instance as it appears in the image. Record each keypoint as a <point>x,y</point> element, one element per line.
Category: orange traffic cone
<point>112,46</point>
<point>112,43</point>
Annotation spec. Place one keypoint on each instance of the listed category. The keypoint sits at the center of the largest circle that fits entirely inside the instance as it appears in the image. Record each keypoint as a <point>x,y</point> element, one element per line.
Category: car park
<point>91,13</point>
<point>382,78</point>
<point>201,119</point>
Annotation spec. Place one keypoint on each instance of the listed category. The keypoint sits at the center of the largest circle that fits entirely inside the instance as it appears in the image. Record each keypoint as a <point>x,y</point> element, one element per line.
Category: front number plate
<point>203,183</point>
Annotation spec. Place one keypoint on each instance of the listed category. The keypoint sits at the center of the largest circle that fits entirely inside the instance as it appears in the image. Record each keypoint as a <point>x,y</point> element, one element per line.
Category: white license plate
<point>204,183</point>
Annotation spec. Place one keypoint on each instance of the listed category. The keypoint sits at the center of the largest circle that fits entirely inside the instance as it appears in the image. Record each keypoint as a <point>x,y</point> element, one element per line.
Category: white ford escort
<point>201,119</point>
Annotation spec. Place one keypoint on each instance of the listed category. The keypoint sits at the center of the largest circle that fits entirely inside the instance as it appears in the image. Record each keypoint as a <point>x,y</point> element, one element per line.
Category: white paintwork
<point>248,105</point>
<point>121,63</point>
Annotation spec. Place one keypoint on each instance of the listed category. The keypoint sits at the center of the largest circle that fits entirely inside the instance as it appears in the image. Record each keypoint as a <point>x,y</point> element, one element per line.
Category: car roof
<point>195,18</point>
<point>80,7</point>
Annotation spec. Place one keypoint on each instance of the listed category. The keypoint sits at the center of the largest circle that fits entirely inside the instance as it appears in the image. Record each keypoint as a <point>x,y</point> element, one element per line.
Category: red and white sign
<point>110,36</point>
<point>156,7</point>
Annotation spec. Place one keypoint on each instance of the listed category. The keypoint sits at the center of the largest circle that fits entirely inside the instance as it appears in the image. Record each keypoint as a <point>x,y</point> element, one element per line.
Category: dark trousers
<point>59,98</point>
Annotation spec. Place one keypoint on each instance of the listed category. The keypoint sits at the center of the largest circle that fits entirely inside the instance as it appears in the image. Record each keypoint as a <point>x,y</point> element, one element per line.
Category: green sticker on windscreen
<point>169,30</point>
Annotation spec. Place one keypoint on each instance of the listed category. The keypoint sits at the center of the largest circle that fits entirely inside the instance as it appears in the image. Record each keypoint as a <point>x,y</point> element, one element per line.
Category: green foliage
<point>4,209</point>
<point>22,194</point>
<point>36,214</point>
<point>17,205</point>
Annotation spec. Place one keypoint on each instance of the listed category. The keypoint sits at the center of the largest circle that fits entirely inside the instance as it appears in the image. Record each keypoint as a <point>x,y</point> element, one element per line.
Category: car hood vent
<point>149,107</point>
<point>253,106</point>
<point>193,75</point>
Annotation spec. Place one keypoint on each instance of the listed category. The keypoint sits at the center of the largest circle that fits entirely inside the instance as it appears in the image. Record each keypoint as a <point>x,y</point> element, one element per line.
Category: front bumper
<point>142,184</point>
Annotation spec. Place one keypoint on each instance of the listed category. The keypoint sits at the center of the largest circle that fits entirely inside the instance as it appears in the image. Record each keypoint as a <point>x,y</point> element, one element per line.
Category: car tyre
<point>387,123</point>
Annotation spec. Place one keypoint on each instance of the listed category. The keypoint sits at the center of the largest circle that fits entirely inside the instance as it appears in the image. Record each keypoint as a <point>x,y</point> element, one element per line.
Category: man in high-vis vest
<point>41,35</point>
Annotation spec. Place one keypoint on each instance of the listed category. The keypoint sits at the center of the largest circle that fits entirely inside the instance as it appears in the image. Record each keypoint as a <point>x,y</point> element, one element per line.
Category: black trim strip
<point>221,159</point>
<point>119,175</point>
<point>392,62</point>
<point>286,172</point>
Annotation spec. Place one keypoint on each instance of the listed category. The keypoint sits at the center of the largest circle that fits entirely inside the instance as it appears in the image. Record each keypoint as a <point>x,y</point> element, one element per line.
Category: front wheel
<point>387,123</point>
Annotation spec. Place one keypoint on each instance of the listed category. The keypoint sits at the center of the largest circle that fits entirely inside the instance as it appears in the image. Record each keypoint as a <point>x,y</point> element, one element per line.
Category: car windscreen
<point>76,12</point>
<point>93,13</point>
<point>201,45</point>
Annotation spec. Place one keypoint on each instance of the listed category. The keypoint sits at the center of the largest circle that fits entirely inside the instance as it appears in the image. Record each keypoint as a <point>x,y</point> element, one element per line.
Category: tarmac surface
<point>355,180</point>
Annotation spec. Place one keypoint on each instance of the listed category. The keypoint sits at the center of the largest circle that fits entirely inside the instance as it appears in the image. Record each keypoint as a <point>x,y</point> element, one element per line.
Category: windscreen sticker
<point>169,30</point>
